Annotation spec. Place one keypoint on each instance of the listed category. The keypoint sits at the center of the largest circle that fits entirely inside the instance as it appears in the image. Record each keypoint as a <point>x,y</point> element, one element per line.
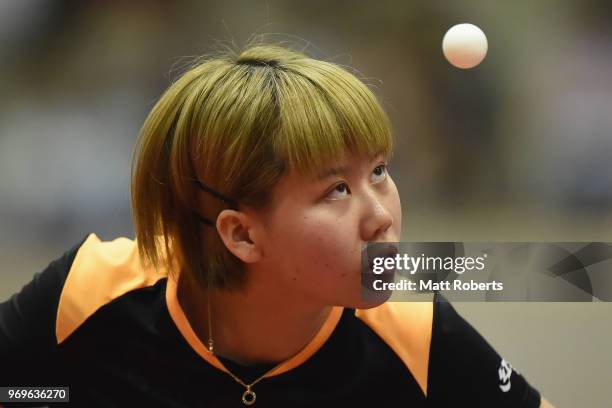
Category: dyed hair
<point>237,122</point>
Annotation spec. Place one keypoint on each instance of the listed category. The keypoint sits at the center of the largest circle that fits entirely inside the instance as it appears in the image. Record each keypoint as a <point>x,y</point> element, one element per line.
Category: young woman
<point>258,179</point>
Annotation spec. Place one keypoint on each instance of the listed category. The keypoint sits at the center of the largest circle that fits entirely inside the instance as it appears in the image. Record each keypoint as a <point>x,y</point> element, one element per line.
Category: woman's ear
<point>238,232</point>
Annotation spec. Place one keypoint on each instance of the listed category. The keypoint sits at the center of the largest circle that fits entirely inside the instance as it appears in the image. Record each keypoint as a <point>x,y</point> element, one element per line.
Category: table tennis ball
<point>464,45</point>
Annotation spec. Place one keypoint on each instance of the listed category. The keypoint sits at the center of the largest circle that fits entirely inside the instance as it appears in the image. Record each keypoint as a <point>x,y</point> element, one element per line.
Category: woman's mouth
<point>380,258</point>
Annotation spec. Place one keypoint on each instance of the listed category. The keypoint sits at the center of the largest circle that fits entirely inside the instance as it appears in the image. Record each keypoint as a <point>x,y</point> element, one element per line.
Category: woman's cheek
<point>338,253</point>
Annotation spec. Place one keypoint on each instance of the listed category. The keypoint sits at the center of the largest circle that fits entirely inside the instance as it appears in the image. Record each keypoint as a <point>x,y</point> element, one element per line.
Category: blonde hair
<point>237,123</point>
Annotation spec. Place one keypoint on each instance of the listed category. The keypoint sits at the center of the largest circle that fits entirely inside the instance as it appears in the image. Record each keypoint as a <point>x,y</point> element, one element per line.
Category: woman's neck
<point>256,325</point>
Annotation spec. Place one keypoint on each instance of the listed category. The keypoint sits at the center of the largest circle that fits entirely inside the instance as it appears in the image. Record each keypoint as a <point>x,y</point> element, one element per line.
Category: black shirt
<point>97,321</point>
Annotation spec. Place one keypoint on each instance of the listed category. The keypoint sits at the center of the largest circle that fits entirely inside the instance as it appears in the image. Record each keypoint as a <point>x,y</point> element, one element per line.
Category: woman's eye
<point>379,173</point>
<point>342,190</point>
<point>339,192</point>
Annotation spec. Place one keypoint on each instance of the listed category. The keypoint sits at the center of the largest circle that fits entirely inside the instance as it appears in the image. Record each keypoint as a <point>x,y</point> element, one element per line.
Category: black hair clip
<point>203,220</point>
<point>230,202</point>
<point>258,62</point>
<point>216,194</point>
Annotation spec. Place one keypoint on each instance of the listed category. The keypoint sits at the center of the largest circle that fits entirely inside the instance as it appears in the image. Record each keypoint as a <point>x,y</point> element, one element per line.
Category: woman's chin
<point>369,300</point>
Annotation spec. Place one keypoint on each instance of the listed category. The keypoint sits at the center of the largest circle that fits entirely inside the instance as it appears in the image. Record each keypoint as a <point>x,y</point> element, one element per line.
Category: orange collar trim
<point>184,327</point>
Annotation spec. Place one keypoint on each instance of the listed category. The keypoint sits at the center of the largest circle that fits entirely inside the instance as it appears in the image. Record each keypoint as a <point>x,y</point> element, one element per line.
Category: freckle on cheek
<point>343,275</point>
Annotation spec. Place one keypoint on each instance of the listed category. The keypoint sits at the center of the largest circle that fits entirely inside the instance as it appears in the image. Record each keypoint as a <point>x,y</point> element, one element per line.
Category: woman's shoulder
<point>451,361</point>
<point>117,251</point>
<point>406,327</point>
<point>69,290</point>
<point>101,272</point>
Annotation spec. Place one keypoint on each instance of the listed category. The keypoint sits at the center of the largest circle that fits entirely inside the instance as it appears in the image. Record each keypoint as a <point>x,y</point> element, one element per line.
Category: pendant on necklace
<point>248,398</point>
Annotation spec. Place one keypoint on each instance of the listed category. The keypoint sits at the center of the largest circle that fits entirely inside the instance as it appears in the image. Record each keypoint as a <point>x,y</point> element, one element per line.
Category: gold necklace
<point>248,397</point>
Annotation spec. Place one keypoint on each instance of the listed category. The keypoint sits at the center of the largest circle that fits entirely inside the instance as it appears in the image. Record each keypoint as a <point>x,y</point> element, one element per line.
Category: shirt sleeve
<point>27,325</point>
<point>464,370</point>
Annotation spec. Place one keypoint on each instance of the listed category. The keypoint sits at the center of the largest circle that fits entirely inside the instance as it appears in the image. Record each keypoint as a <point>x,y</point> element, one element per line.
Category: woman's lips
<point>380,251</point>
<point>370,290</point>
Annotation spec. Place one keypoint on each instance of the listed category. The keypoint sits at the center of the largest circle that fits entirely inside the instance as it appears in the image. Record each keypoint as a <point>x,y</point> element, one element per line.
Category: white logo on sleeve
<point>505,372</point>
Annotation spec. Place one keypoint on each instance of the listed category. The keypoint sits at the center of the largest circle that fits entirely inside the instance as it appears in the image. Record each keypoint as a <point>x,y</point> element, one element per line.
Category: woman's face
<point>316,227</point>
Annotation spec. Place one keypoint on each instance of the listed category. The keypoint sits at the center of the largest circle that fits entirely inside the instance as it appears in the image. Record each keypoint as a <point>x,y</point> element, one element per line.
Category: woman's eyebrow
<point>333,171</point>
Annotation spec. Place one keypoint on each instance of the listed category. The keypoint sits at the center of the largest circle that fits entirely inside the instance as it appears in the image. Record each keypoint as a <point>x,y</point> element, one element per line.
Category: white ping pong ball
<point>464,45</point>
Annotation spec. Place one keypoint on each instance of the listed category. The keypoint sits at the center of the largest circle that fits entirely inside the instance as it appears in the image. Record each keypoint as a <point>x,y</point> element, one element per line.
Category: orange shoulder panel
<point>100,273</point>
<point>406,327</point>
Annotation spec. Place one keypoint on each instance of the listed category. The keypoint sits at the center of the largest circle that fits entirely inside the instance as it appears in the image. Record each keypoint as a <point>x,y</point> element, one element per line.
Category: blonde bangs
<point>325,113</point>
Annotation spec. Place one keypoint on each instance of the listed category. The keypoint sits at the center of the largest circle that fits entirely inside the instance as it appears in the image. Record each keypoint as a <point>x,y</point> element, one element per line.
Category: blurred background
<point>516,149</point>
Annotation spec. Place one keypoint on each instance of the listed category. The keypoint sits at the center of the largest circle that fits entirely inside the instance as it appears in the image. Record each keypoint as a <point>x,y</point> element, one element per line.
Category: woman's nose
<point>377,218</point>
